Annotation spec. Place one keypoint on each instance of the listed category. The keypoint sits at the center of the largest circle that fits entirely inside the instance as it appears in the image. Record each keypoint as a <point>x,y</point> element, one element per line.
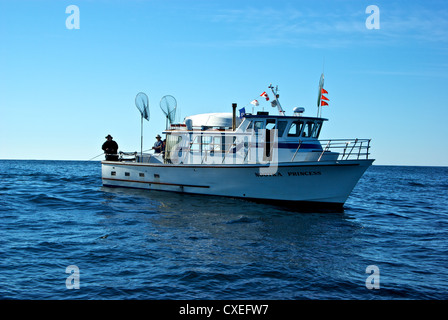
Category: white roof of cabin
<point>213,120</point>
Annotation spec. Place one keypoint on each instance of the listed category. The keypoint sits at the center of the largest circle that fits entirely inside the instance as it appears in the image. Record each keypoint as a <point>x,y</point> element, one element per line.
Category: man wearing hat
<point>158,145</point>
<point>110,148</point>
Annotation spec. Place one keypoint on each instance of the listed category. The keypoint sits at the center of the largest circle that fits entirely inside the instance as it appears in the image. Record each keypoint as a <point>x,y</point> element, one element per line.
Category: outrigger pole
<point>142,104</point>
<point>141,140</point>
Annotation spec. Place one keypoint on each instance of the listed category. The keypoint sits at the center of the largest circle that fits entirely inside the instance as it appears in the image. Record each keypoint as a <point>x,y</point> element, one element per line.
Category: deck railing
<point>233,151</point>
<point>348,149</point>
<point>332,149</point>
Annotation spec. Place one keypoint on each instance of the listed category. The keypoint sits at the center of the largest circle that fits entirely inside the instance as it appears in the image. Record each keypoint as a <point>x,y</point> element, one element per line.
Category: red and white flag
<point>255,103</point>
<point>264,94</point>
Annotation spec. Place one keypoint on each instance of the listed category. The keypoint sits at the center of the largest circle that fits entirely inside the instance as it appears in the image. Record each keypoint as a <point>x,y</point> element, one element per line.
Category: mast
<point>276,96</point>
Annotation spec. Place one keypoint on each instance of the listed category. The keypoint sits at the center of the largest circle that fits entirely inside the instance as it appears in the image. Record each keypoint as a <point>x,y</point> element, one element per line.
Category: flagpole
<point>320,106</point>
<point>319,95</point>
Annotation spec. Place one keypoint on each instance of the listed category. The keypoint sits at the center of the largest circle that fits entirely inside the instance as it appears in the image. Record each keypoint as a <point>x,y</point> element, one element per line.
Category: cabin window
<point>196,145</point>
<point>270,124</point>
<point>258,125</point>
<point>206,142</point>
<point>127,174</point>
<point>281,126</point>
<point>211,143</point>
<point>250,126</point>
<point>172,141</point>
<point>295,128</point>
<point>217,141</point>
<point>308,129</point>
<point>317,128</point>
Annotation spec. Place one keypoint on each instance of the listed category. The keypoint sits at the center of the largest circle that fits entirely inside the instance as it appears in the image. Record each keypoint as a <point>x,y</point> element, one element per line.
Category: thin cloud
<point>253,26</point>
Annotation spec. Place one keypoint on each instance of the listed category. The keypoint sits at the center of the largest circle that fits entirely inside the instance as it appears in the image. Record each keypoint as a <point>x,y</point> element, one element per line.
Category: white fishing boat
<point>263,157</point>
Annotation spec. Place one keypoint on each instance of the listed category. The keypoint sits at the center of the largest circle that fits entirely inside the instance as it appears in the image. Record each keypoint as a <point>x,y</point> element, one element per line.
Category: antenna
<point>142,104</point>
<point>168,104</point>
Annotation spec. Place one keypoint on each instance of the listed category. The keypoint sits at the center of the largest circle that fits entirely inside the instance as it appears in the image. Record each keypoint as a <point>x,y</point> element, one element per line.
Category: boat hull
<point>319,183</point>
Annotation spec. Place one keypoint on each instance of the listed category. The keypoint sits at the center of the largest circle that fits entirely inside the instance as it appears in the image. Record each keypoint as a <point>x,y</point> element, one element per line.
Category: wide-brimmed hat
<point>109,136</point>
<point>158,136</point>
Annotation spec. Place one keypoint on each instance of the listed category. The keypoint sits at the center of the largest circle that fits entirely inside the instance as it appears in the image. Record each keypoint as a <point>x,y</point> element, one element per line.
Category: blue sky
<point>63,90</point>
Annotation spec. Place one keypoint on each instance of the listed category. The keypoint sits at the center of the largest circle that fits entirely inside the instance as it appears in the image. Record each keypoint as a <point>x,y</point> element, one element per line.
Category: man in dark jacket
<point>158,145</point>
<point>110,148</point>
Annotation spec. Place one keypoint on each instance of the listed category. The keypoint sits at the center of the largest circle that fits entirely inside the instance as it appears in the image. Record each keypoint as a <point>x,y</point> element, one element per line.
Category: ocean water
<point>132,244</point>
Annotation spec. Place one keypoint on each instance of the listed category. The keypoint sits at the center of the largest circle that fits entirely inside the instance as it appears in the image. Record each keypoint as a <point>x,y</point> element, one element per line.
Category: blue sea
<point>64,236</point>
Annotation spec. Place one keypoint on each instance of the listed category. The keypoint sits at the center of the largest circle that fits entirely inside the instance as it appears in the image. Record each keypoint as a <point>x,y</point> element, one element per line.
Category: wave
<point>46,199</point>
<point>416,184</point>
<point>241,219</point>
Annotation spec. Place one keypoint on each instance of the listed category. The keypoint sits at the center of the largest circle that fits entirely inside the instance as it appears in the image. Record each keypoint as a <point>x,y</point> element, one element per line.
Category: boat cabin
<point>256,139</point>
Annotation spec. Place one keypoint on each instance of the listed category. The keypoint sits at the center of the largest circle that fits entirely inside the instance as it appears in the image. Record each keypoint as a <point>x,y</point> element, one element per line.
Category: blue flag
<point>242,112</point>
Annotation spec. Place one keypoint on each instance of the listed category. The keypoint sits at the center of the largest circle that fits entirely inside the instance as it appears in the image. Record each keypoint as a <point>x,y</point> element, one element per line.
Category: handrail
<point>233,150</point>
<point>347,149</point>
<point>298,147</point>
<point>358,148</point>
<point>324,150</point>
